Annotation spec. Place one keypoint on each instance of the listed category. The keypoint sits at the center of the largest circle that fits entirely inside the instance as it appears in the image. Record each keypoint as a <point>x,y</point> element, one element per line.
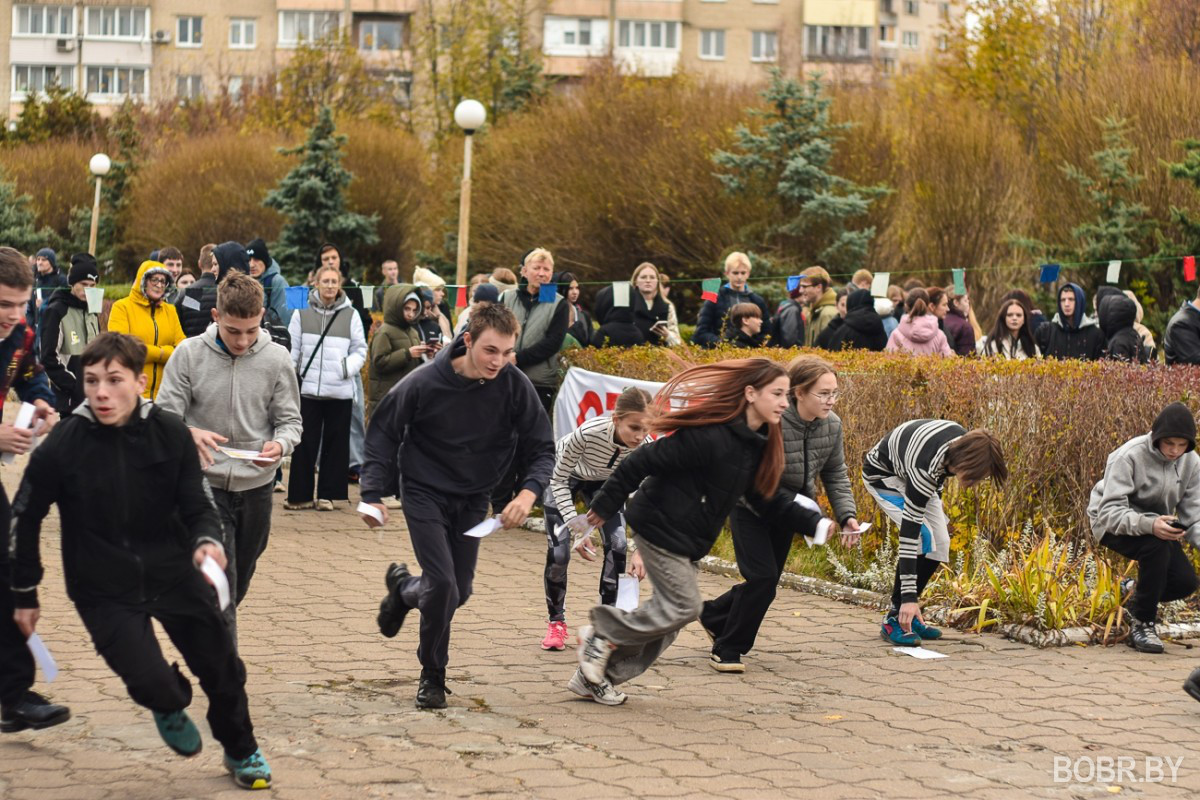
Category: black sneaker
<point>432,691</point>
<point>392,610</point>
<point>34,711</point>
<point>1192,684</point>
<point>730,662</point>
<point>1143,637</point>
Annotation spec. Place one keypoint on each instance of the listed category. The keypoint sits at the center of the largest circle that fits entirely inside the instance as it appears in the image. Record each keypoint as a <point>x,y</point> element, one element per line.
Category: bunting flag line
<point>1189,268</point>
<point>1114,272</point>
<point>709,289</point>
<point>793,282</point>
<point>460,299</point>
<point>960,281</point>
<point>547,292</point>
<point>1049,273</point>
<point>620,294</point>
<point>879,284</point>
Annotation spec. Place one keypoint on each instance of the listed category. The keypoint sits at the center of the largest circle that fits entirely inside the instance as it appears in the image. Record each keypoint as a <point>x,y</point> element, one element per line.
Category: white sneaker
<point>324,505</point>
<point>390,502</point>
<point>594,652</point>
<point>603,693</point>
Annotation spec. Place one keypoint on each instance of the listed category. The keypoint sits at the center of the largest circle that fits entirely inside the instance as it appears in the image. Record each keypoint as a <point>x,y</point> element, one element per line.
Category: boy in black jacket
<point>19,708</point>
<point>137,520</point>
<point>458,424</point>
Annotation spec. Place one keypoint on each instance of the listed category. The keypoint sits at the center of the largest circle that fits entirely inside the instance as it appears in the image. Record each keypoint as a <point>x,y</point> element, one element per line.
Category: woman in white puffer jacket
<point>329,348</point>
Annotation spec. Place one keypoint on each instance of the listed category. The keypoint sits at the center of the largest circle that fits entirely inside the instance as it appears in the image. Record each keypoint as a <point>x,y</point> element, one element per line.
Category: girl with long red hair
<point>721,442</point>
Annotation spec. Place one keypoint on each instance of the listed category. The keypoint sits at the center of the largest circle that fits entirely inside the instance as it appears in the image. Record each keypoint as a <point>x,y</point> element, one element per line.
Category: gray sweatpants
<point>643,634</point>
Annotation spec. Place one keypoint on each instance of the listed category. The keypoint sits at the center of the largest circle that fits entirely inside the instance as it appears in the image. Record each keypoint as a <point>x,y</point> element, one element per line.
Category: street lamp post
<point>468,115</point>
<point>99,165</point>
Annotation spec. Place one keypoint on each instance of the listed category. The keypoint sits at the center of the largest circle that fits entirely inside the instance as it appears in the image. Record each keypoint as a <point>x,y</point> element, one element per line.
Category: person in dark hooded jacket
<point>862,329</point>
<point>1117,315</point>
<point>618,328</point>
<point>66,329</point>
<point>1072,333</point>
<point>196,303</point>
<point>48,282</point>
<point>1181,342</point>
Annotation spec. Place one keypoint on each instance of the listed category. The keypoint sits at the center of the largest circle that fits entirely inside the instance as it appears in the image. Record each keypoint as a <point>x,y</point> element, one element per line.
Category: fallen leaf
<point>834,716</point>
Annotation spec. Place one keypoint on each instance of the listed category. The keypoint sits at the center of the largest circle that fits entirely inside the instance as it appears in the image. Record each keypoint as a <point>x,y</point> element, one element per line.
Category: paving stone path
<point>825,708</point>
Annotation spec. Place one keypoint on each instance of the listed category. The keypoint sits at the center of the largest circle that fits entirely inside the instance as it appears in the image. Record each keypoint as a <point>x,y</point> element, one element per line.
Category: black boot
<point>392,610</point>
<point>34,711</point>
<point>432,691</point>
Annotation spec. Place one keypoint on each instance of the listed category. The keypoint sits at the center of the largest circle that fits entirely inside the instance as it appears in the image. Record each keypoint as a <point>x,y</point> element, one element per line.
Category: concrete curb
<point>1026,634</point>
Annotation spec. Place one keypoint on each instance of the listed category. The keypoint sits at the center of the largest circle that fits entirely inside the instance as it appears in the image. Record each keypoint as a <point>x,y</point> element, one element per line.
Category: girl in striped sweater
<point>583,461</point>
<point>905,472</point>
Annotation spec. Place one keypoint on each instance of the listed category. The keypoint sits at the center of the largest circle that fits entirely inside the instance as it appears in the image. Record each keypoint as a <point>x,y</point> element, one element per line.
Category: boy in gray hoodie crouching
<point>237,391</point>
<point>1147,502</point>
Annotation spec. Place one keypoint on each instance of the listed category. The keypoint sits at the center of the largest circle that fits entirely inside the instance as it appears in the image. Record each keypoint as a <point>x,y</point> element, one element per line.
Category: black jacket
<point>1080,337</point>
<point>618,327</point>
<point>52,284</point>
<point>457,436</point>
<point>132,502</point>
<point>713,321</point>
<point>825,338</point>
<point>743,339</point>
<point>1117,315</point>
<point>862,329</point>
<point>1181,343</point>
<point>196,303</point>
<point>687,484</point>
<point>67,379</point>
<point>787,328</point>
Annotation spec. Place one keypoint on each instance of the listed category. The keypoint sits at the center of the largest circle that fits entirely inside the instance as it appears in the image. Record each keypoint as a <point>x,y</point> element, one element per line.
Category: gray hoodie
<point>251,399</point>
<point>1140,485</point>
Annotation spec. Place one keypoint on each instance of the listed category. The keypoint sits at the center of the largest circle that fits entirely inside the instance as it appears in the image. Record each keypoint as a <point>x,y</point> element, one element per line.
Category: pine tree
<point>18,225</point>
<point>789,158</point>
<point>311,197</point>
<point>1187,170</point>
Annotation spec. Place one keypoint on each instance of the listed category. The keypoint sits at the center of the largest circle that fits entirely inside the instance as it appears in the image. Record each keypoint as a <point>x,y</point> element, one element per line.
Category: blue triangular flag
<point>1049,273</point>
<point>547,293</point>
<point>793,282</point>
<point>297,297</point>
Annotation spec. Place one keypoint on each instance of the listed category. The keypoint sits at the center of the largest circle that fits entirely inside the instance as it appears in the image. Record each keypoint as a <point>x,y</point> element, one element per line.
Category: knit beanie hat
<point>1175,420</point>
<point>83,268</point>
<point>49,255</point>
<point>258,249</point>
<point>423,276</point>
<point>486,293</point>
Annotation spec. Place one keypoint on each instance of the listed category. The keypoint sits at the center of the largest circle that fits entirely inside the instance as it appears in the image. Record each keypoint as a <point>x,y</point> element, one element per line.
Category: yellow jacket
<point>157,325</point>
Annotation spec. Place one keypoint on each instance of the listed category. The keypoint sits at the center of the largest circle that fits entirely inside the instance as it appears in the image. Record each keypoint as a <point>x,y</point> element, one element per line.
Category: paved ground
<point>826,709</point>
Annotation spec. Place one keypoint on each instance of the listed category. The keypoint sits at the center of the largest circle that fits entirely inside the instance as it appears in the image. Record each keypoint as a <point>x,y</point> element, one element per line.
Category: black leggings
<point>558,552</point>
<point>1164,572</point>
<point>926,567</point>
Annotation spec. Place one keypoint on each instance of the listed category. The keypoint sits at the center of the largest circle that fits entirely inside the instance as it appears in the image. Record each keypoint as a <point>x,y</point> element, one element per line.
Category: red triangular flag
<point>461,300</point>
<point>1189,268</point>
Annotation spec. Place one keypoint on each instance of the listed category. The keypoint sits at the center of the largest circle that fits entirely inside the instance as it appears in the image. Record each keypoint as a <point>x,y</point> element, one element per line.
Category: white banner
<point>584,395</point>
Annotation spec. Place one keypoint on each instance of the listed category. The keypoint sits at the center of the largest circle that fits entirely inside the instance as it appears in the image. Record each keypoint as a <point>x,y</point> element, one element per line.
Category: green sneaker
<point>251,772</point>
<point>179,732</point>
<point>926,632</point>
<point>892,632</point>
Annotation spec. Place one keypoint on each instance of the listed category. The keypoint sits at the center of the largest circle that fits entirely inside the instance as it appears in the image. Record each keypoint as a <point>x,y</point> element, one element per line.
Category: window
<point>943,43</point>
<point>659,35</point>
<point>242,33</point>
<point>380,35</point>
<point>116,81</point>
<point>578,31</point>
<point>837,41</point>
<point>910,40</point>
<point>712,44</point>
<point>764,45</point>
<point>306,26</point>
<point>234,87</point>
<point>191,32</point>
<point>36,78</point>
<point>887,33</point>
<point>117,23</point>
<point>189,87</point>
<point>944,11</point>
<point>45,21</point>
<point>912,8</point>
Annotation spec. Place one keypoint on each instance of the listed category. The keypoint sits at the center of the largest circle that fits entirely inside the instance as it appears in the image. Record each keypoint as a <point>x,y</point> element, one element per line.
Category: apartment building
<point>185,48</point>
<point>737,40</point>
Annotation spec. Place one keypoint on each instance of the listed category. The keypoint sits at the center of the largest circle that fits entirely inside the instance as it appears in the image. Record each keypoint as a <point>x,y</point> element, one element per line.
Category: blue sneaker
<point>892,632</point>
<point>251,772</point>
<point>924,631</point>
<point>179,732</point>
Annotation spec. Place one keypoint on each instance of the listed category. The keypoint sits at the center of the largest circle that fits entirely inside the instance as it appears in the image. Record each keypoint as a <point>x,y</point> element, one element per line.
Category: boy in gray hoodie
<point>237,390</point>
<point>1147,502</point>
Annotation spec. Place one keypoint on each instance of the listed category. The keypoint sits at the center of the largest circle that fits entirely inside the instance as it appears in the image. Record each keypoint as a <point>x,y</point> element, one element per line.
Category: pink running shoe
<point>556,636</point>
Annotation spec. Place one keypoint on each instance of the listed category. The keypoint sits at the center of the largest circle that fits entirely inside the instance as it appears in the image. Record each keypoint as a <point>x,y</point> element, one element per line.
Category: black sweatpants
<point>926,567</point>
<point>326,428</point>
<point>436,523</point>
<point>16,662</point>
<point>1164,572</point>
<point>246,520</point>
<point>188,613</point>
<point>558,552</point>
<point>762,550</point>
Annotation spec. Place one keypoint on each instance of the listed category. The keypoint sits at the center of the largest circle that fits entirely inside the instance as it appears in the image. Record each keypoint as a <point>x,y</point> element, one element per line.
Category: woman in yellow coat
<point>146,315</point>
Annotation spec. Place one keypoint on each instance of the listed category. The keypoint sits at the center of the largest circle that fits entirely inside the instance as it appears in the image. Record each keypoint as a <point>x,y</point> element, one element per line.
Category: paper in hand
<point>43,658</point>
<point>245,455</point>
<point>821,535</point>
<point>372,512</point>
<point>628,592</point>
<point>216,576</point>
<point>23,421</point>
<point>579,524</point>
<point>488,526</point>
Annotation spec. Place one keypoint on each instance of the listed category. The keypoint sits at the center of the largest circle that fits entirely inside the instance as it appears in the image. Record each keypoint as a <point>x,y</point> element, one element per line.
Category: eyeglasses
<point>826,397</point>
<point>157,279</point>
<point>805,285</point>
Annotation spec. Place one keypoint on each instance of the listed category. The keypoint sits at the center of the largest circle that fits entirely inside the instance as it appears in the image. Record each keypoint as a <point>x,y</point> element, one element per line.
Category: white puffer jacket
<point>341,355</point>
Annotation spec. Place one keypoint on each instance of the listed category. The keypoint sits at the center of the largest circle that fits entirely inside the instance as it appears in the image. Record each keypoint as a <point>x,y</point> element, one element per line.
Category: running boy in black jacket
<point>137,520</point>
<point>458,424</point>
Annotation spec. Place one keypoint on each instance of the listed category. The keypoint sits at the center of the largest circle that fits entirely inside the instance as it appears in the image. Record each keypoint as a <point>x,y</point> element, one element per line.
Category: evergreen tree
<point>789,158</point>
<point>1187,170</point>
<point>311,197</point>
<point>18,225</point>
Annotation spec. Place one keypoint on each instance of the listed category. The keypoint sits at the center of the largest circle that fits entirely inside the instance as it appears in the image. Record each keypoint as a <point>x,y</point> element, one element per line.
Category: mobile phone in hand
<point>1177,525</point>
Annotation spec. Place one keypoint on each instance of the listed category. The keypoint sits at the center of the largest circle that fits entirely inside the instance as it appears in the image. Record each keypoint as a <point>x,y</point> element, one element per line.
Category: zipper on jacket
<point>804,485</point>
<point>122,493</point>
<point>154,367</point>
